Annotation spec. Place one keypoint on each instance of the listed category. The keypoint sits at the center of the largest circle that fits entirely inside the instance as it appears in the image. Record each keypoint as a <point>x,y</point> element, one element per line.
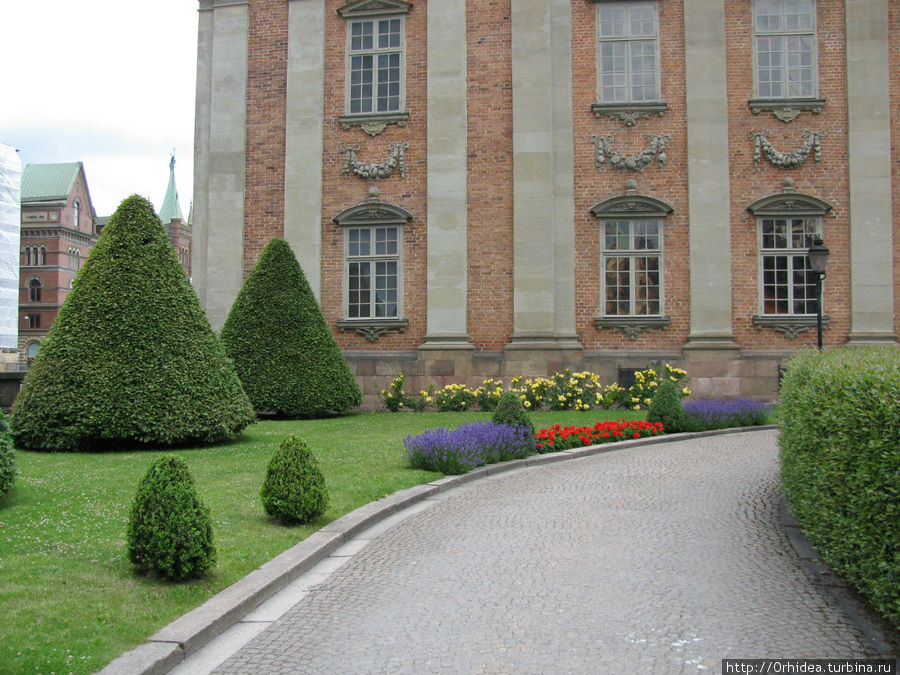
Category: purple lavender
<point>717,414</point>
<point>455,451</point>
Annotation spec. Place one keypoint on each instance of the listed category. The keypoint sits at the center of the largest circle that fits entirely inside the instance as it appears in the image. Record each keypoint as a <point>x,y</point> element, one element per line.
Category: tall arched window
<point>41,256</point>
<point>27,256</point>
<point>34,290</point>
<point>76,211</point>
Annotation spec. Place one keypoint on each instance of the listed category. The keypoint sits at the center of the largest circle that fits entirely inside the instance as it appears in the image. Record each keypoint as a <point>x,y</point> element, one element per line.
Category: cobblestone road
<point>664,558</point>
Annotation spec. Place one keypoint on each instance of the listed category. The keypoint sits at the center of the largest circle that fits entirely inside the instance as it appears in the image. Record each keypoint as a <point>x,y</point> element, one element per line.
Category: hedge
<point>840,463</point>
<point>131,358</point>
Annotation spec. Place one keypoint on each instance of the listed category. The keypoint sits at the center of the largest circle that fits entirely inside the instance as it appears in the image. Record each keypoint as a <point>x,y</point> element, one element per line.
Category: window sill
<point>629,113</point>
<point>632,326</point>
<point>786,109</point>
<point>373,123</point>
<point>791,326</point>
<point>372,329</point>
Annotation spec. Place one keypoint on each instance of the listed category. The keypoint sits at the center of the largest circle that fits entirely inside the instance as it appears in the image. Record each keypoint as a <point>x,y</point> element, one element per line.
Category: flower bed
<point>454,451</point>
<point>703,415</point>
<point>558,438</point>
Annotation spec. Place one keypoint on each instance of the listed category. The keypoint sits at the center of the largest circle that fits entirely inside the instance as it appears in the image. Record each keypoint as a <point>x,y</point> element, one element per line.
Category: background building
<point>497,187</point>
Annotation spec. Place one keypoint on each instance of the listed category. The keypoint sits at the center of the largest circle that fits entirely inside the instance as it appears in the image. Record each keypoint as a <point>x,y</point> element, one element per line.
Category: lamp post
<point>818,259</point>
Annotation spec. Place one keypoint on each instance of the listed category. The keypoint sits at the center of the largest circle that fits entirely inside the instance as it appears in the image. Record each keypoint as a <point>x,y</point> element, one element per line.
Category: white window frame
<point>632,253</point>
<point>373,258</point>
<point>375,52</point>
<point>784,35</point>
<point>628,40</point>
<point>813,228</point>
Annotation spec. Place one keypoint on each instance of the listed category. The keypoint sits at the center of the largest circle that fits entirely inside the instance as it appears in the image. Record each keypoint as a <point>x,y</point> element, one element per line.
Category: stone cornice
<point>372,329</point>
<point>628,113</point>
<point>786,109</point>
<point>373,123</point>
<point>632,326</point>
<point>791,326</point>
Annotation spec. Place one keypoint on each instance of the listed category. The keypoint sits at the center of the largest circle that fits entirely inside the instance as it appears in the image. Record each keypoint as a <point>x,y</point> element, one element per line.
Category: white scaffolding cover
<point>10,225</point>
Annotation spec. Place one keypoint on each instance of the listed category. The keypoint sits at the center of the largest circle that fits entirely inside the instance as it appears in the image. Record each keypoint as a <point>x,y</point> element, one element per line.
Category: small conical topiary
<point>131,358</point>
<point>283,351</point>
<point>511,411</point>
<point>170,531</point>
<point>666,408</point>
<point>8,469</point>
<point>294,489</point>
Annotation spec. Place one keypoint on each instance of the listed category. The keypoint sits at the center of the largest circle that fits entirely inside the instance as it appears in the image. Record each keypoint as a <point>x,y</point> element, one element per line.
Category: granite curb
<point>169,646</point>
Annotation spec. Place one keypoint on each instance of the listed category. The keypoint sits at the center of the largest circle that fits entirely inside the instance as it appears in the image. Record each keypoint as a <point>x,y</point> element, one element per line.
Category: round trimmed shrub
<point>131,359</point>
<point>170,531</point>
<point>283,351</point>
<point>666,408</point>
<point>511,412</point>
<point>294,489</point>
<point>8,469</point>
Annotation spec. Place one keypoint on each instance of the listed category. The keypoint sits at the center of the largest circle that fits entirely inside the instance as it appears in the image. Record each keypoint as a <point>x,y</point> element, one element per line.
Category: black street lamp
<point>818,259</point>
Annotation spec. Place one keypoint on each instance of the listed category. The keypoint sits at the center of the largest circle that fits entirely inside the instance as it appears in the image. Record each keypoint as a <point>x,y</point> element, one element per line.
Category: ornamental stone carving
<point>628,114</point>
<point>639,162</point>
<point>396,160</point>
<point>787,160</point>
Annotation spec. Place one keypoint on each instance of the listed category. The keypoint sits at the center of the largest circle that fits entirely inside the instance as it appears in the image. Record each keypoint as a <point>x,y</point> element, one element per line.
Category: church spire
<point>171,209</point>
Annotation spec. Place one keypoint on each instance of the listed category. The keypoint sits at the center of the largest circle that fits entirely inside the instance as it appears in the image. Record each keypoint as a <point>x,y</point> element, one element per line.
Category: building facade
<point>495,188</point>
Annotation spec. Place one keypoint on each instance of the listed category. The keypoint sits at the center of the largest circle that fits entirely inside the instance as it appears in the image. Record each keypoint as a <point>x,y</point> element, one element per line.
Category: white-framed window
<point>627,52</point>
<point>784,45</point>
<point>373,272</point>
<point>632,278</point>
<point>787,286</point>
<point>376,65</point>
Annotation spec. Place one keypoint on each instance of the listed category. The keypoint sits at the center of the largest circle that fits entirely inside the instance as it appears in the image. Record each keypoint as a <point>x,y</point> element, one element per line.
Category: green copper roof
<point>49,182</point>
<point>171,209</point>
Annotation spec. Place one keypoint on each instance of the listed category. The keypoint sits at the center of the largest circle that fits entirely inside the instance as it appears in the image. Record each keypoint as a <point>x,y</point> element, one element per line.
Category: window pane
<point>612,21</point>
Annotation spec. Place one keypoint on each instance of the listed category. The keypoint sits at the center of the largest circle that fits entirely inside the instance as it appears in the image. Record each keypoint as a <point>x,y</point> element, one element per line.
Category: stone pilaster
<point>446,184</point>
<point>708,175</point>
<point>543,177</point>
<point>869,157</point>
<point>303,143</point>
<point>220,155</point>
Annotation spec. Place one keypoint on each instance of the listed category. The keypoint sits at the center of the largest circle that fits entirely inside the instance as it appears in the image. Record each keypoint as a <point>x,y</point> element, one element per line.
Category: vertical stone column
<point>220,154</point>
<point>446,184</point>
<point>543,176</point>
<point>304,129</point>
<point>708,175</point>
<point>869,153</point>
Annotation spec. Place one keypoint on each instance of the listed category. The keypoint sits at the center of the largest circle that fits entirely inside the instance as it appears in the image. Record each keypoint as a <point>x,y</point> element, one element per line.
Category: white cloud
<point>105,82</point>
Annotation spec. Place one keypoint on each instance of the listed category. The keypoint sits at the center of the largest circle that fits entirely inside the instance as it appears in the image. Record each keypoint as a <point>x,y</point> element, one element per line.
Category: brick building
<point>505,187</point>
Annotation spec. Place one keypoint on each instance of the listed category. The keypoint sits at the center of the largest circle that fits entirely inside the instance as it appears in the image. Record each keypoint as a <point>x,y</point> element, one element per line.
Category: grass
<point>70,599</point>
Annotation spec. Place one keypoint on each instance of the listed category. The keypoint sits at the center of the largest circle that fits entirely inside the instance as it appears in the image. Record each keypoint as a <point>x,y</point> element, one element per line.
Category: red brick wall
<point>341,192</point>
<point>266,109</point>
<point>593,185</point>
<point>490,171</point>
<point>749,182</point>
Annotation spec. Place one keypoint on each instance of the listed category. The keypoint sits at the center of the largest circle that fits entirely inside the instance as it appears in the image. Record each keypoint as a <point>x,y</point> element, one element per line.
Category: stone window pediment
<point>373,213</point>
<point>632,206</point>
<point>361,8</point>
<point>789,204</point>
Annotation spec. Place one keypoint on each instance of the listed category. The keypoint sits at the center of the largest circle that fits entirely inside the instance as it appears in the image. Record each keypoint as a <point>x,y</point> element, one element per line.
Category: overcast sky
<point>106,82</point>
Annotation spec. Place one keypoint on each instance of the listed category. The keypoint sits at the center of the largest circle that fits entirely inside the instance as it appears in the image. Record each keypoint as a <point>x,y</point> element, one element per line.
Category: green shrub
<point>131,358</point>
<point>840,463</point>
<point>511,411</point>
<point>294,489</point>
<point>8,469</point>
<point>170,532</point>
<point>283,351</point>
<point>665,407</point>
<point>488,394</point>
<point>395,397</point>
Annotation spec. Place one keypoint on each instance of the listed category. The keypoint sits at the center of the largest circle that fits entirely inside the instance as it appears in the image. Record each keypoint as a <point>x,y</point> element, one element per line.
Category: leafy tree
<point>170,531</point>
<point>131,358</point>
<point>283,351</point>
<point>294,489</point>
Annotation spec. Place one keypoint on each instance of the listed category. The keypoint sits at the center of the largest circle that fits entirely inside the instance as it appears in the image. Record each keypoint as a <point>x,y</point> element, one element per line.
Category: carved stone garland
<point>787,160</point>
<point>639,162</point>
<point>397,159</point>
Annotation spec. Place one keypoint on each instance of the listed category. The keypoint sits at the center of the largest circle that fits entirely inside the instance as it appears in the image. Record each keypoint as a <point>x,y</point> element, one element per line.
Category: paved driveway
<point>664,558</point>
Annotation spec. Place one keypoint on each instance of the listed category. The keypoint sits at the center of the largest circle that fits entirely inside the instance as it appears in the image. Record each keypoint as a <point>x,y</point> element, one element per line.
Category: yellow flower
<point>527,404</point>
<point>686,391</point>
<point>647,401</point>
<point>637,407</point>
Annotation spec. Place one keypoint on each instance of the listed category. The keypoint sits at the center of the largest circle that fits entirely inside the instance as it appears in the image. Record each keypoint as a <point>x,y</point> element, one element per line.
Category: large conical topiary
<point>131,358</point>
<point>284,353</point>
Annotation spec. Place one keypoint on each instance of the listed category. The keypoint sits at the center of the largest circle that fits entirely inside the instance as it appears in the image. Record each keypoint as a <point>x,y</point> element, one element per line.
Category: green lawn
<point>70,600</point>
